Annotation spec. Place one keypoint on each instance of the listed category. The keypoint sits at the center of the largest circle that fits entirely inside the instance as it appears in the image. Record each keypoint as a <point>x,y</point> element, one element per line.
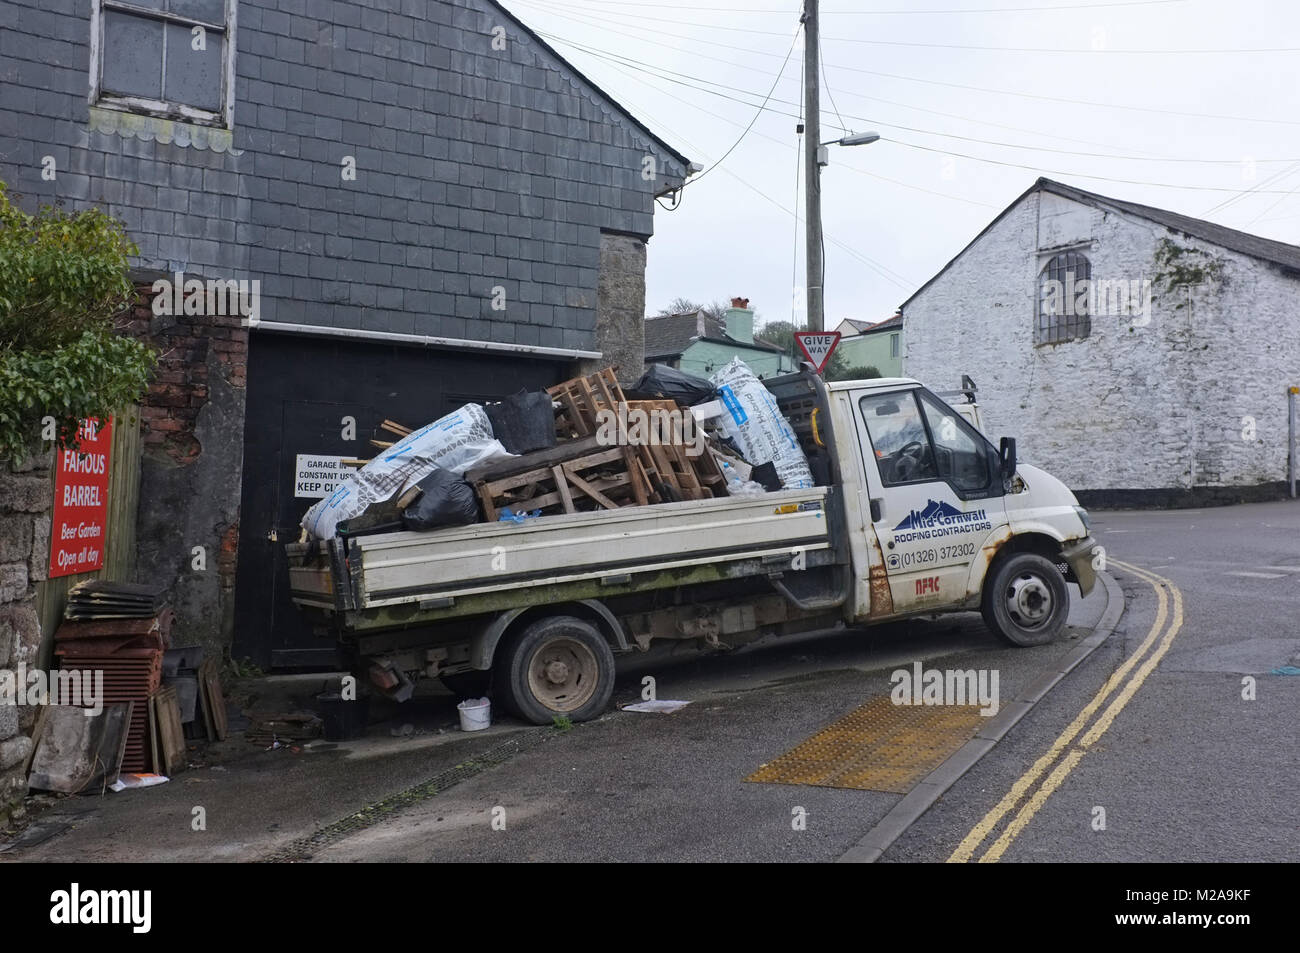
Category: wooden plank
<point>530,461</point>
<point>590,490</point>
<point>639,489</point>
<point>563,488</point>
<point>215,701</point>
<point>171,735</point>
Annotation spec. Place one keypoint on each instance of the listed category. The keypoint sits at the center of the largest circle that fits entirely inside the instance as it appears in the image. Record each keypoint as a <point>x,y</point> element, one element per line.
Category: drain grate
<point>304,848</point>
<point>878,746</point>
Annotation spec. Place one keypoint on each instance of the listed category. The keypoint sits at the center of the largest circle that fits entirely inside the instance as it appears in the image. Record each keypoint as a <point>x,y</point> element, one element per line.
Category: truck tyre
<point>1025,600</point>
<point>558,666</point>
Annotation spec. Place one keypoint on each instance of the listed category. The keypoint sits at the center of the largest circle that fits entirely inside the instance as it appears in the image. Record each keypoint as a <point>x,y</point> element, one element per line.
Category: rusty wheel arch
<point>483,646</point>
<point>1040,543</point>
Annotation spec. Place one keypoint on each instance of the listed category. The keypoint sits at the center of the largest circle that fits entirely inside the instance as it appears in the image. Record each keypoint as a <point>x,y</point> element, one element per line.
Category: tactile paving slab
<point>878,746</point>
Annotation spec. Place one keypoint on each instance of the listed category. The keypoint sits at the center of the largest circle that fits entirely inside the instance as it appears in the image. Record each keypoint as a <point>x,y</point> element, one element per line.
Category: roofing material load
<point>456,442</point>
<point>754,421</point>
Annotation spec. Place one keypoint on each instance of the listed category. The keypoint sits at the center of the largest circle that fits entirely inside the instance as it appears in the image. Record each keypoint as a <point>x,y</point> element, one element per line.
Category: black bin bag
<point>661,381</point>
<point>447,500</point>
<point>524,422</point>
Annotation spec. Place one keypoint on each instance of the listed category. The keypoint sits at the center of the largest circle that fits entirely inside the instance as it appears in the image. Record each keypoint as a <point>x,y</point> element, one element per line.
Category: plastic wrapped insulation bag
<point>753,420</point>
<point>458,442</point>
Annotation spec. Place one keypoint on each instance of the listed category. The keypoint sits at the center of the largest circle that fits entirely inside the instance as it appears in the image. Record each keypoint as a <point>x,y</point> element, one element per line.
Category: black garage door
<point>300,390</point>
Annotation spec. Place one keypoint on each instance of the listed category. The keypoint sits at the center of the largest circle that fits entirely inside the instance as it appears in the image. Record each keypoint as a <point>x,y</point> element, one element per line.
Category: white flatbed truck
<point>915,512</point>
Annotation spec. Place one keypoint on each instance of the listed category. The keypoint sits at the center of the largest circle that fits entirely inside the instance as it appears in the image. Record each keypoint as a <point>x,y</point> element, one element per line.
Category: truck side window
<point>961,455</point>
<point>898,438</point>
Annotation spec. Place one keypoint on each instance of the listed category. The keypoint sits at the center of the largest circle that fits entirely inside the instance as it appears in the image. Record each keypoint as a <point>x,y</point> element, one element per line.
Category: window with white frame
<point>169,58</point>
<point>893,345</point>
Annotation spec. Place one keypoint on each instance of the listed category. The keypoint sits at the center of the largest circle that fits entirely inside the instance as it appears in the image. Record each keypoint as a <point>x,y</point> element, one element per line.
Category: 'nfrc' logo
<point>76,906</point>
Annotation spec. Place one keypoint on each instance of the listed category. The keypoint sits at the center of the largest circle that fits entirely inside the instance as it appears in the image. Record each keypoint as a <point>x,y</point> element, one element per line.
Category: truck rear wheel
<point>1025,600</point>
<point>559,666</point>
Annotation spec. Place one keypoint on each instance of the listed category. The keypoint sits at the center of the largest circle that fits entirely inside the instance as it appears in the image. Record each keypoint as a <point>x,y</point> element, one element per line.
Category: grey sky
<point>880,200</point>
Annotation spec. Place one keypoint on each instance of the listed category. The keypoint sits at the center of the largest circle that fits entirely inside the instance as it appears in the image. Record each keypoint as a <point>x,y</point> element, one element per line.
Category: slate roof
<point>669,336</point>
<point>1265,249</point>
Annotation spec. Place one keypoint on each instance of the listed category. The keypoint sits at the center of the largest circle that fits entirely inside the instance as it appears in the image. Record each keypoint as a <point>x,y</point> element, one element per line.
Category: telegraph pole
<point>813,170</point>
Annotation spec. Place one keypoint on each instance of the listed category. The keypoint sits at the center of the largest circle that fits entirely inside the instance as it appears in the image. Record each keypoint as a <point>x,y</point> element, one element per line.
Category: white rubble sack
<point>753,419</point>
<point>458,442</point>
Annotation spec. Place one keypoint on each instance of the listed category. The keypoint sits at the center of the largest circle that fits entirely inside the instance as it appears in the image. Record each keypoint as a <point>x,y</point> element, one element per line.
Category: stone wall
<point>26,493</point>
<point>620,307</point>
<point>192,432</point>
<point>1157,407</point>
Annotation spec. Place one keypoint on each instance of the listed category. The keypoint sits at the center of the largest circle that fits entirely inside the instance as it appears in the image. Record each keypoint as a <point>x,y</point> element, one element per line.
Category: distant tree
<point>717,310</point>
<point>858,373</point>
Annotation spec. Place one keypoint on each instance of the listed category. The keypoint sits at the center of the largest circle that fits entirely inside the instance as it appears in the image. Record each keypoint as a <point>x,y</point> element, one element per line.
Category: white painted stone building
<point>1136,353</point>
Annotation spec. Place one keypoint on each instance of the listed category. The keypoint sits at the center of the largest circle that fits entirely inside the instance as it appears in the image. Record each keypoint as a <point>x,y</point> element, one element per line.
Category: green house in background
<point>877,345</point>
<point>695,343</point>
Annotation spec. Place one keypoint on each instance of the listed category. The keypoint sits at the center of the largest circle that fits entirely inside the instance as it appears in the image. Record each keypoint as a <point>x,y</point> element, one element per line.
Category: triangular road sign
<point>817,346</point>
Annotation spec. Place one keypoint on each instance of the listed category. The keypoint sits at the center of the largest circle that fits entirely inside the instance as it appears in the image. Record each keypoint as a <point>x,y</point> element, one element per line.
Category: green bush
<point>64,278</point>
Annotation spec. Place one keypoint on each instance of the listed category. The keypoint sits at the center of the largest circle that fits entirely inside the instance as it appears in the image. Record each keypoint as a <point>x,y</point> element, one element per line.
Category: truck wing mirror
<point>1007,456</point>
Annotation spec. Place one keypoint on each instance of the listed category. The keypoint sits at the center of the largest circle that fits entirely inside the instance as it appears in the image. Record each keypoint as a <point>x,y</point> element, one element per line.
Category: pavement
<point>1186,770</point>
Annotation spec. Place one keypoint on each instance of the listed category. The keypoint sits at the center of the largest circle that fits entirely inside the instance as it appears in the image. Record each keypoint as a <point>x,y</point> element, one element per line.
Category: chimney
<point>740,321</point>
<point>700,330</point>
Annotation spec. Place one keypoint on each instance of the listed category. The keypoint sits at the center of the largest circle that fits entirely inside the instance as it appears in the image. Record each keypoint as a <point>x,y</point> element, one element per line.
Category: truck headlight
<point>1083,517</point>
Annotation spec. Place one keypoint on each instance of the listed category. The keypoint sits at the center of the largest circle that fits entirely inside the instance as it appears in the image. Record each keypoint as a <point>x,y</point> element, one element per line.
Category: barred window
<point>168,58</point>
<point>1064,295</point>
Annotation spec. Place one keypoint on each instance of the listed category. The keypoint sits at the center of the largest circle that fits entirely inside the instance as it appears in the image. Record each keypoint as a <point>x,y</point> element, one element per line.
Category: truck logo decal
<point>927,584</point>
<point>938,513</point>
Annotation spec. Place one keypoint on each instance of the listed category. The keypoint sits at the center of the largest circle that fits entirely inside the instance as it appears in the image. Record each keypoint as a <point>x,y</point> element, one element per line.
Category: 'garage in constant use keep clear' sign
<point>316,476</point>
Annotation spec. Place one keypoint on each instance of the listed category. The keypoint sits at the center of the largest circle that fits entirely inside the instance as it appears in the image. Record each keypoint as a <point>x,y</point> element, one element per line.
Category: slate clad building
<point>437,206</point>
<point>1141,355</point>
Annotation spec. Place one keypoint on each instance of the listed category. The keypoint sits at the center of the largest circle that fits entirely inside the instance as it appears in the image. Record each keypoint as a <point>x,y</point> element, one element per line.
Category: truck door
<point>936,494</point>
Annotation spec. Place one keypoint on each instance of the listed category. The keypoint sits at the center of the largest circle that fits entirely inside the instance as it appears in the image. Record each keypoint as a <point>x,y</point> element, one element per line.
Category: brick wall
<point>179,389</point>
<point>191,430</point>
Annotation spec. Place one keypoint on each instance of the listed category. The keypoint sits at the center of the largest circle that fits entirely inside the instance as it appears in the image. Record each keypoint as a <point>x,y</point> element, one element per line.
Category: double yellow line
<point>1066,752</point>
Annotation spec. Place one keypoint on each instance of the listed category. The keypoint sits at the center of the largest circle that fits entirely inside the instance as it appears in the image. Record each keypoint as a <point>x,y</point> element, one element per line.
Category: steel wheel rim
<point>562,674</point>
<point>1029,600</point>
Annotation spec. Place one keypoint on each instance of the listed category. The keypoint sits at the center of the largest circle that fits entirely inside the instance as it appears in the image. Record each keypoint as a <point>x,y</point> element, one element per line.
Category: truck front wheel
<point>1025,600</point>
<point>559,666</point>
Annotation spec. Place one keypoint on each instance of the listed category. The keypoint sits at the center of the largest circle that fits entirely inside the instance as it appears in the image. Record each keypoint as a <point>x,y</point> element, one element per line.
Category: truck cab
<point>941,512</point>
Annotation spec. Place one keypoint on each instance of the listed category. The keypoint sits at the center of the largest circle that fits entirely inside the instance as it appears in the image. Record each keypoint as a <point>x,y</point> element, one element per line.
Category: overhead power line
<point>928,45</point>
<point>694,83</point>
<point>1041,97</point>
<point>891,13</point>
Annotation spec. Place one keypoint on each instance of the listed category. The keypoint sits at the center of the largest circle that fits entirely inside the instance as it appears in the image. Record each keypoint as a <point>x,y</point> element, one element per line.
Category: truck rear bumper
<point>1078,555</point>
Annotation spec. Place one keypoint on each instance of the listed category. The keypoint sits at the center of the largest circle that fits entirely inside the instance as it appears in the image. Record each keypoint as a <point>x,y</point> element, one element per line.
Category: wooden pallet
<point>581,398</point>
<point>573,476</point>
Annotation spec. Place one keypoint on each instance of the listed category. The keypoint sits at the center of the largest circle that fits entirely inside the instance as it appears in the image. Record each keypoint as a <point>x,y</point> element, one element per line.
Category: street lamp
<point>816,267</point>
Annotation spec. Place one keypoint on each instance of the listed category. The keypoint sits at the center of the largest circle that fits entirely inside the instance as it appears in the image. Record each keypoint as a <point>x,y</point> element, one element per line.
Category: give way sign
<point>817,346</point>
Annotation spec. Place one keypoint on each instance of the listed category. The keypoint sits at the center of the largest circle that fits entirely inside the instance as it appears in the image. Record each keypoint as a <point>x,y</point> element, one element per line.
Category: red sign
<point>817,346</point>
<point>80,524</point>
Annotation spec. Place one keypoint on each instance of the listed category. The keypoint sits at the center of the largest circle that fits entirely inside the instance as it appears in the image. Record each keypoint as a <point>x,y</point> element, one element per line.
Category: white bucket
<point>475,714</point>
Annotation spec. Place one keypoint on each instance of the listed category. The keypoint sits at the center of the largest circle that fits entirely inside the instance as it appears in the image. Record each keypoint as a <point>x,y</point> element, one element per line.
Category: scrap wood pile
<point>582,445</point>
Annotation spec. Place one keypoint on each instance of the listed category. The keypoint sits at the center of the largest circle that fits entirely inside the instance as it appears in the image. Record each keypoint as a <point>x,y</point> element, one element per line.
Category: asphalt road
<point>1187,770</point>
<point>1183,767</point>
